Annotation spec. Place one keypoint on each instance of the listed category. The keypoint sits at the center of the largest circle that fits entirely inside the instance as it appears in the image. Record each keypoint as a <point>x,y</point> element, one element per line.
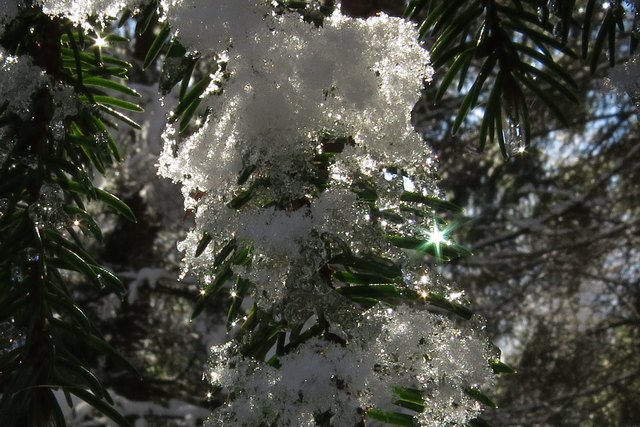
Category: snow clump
<point>288,86</point>
<point>79,10</point>
<point>20,81</point>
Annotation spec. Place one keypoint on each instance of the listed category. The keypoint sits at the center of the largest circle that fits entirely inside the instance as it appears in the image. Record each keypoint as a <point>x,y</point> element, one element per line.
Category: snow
<point>293,84</point>
<point>48,209</point>
<point>19,80</point>
<point>213,25</point>
<point>403,347</point>
<point>79,10</point>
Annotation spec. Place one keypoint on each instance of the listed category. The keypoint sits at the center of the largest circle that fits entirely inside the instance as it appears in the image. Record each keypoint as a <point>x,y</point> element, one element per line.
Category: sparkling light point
<point>437,236</point>
<point>100,42</point>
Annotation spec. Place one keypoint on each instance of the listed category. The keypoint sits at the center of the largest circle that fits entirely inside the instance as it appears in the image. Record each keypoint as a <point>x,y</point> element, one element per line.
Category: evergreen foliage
<point>51,149</point>
<point>519,44</point>
<point>50,155</point>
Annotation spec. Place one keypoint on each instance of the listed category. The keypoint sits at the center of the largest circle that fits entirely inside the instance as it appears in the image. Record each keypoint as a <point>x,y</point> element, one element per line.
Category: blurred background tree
<point>555,225</point>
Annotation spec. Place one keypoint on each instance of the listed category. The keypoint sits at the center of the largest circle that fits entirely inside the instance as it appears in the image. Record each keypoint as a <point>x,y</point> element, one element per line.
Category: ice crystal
<point>65,103</point>
<point>48,209</point>
<point>289,83</point>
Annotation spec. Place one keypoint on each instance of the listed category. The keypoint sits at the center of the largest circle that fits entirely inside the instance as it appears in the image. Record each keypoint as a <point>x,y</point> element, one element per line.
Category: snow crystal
<point>78,10</point>
<point>213,25</point>
<point>288,84</point>
<point>65,103</point>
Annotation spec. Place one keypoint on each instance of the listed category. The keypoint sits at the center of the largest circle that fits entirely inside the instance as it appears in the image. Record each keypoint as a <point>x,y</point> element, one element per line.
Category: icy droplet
<point>102,143</point>
<point>408,184</point>
<point>57,130</point>
<point>10,338</point>
<point>543,14</point>
<point>4,205</point>
<point>31,255</point>
<point>514,137</point>
<point>635,28</point>
<point>557,30</point>
<point>47,210</point>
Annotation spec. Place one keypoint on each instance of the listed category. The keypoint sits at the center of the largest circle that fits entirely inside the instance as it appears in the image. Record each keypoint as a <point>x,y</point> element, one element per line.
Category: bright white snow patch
<point>78,10</point>
<point>213,25</point>
<point>291,84</point>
